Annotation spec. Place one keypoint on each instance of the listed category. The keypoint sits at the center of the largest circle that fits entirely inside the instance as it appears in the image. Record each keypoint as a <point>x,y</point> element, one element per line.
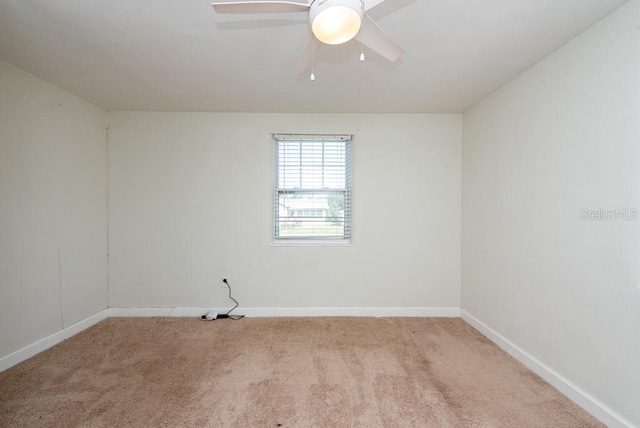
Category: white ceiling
<point>178,55</point>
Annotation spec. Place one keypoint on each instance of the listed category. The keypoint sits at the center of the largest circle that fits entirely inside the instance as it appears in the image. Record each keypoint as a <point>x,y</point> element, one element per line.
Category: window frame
<point>346,236</point>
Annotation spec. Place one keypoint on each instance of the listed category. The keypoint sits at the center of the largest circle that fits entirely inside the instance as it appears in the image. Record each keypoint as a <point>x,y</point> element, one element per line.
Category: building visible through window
<point>312,194</point>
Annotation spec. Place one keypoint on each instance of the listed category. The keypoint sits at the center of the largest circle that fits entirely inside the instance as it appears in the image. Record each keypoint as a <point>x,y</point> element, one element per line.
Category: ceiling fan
<point>332,22</point>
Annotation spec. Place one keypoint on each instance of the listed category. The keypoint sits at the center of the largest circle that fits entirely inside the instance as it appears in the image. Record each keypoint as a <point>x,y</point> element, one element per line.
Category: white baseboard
<point>35,348</point>
<point>158,312</point>
<point>290,312</point>
<point>351,312</point>
<point>591,404</point>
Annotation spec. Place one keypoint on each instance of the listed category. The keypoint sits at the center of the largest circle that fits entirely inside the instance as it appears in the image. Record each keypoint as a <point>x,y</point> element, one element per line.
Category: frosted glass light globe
<point>336,21</point>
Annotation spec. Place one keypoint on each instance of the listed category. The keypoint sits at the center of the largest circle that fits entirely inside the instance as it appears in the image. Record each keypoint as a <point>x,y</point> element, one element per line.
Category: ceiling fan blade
<point>373,37</point>
<point>368,4</point>
<point>260,7</point>
<point>305,61</point>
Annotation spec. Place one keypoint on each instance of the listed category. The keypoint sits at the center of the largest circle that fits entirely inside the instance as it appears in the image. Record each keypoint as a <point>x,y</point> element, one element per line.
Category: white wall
<point>562,137</point>
<point>52,196</point>
<point>191,200</point>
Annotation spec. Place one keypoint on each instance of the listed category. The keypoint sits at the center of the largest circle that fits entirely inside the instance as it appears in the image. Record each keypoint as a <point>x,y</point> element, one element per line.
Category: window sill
<point>310,243</point>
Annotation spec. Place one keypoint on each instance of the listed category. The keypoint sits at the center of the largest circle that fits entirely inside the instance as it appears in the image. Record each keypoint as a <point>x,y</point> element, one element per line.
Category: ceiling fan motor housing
<point>336,21</point>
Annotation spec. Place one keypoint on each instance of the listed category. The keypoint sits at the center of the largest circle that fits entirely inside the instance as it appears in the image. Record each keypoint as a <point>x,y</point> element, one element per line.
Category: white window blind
<point>312,194</point>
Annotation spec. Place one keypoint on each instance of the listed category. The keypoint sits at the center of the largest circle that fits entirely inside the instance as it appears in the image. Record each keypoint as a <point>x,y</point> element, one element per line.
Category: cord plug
<point>212,315</point>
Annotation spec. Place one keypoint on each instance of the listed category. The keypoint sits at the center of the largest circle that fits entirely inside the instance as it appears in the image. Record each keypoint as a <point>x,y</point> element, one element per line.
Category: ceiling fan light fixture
<point>336,21</point>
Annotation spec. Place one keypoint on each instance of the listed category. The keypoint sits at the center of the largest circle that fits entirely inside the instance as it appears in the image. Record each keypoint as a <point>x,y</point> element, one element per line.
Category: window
<point>312,194</point>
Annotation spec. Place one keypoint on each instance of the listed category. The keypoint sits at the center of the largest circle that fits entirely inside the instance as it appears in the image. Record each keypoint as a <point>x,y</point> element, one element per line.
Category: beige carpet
<point>289,372</point>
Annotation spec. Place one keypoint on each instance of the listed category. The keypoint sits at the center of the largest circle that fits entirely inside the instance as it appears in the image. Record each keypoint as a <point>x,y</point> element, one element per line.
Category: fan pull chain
<point>313,76</point>
<point>362,54</point>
